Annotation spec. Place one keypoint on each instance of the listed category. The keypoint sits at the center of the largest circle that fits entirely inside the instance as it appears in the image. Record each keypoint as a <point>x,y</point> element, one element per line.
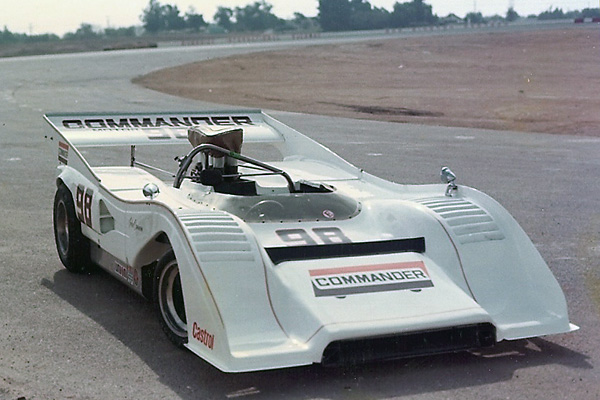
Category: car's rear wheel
<point>168,299</point>
<point>73,248</point>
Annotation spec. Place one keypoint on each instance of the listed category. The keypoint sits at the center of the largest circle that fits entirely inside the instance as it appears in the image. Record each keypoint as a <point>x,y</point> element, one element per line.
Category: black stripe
<point>312,252</point>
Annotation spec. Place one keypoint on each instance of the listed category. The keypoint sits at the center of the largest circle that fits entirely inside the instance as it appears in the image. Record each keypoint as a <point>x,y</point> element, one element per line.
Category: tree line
<point>254,17</point>
<point>333,15</point>
<point>558,13</point>
<point>158,17</point>
<point>345,15</point>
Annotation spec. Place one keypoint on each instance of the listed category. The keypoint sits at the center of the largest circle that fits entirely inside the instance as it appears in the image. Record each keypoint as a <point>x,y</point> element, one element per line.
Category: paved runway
<point>88,337</point>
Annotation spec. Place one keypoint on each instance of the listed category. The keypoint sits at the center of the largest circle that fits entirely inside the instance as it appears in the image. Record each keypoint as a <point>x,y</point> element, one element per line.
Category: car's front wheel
<point>73,248</point>
<point>168,299</point>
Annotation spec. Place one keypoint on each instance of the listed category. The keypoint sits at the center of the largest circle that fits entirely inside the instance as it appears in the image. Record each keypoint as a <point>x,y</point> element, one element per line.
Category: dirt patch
<point>541,81</point>
<point>390,111</point>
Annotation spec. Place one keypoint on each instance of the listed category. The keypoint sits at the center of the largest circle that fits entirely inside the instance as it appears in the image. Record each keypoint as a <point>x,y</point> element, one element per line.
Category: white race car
<point>296,259</point>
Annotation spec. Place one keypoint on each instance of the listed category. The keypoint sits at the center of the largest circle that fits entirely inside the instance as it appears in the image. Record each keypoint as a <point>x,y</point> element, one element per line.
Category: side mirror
<point>448,177</point>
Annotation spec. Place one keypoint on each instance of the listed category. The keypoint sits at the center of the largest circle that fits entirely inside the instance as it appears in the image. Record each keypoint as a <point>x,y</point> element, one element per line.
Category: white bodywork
<point>408,259</point>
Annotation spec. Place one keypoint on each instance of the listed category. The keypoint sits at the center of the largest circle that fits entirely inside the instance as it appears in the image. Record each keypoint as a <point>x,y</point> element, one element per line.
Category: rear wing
<point>115,129</point>
<point>74,131</point>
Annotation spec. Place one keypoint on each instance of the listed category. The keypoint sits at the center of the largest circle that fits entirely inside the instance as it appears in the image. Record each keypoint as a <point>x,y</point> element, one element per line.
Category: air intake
<point>358,351</point>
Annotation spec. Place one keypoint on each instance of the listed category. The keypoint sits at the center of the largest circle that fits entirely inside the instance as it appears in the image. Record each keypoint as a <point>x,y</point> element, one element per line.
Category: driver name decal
<point>370,279</point>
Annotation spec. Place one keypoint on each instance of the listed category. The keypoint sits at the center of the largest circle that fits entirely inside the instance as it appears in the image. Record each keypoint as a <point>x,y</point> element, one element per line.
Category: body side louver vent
<point>217,237</point>
<point>469,222</point>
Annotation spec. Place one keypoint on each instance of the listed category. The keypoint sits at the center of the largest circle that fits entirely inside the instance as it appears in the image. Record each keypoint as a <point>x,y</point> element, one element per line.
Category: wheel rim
<point>171,300</point>
<point>62,228</point>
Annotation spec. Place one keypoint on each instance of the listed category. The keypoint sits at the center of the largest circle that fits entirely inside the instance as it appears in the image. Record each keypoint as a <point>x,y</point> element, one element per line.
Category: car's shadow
<point>131,320</point>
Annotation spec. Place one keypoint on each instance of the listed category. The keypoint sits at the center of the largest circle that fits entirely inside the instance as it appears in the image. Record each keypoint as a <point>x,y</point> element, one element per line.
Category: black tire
<point>73,248</point>
<point>168,300</point>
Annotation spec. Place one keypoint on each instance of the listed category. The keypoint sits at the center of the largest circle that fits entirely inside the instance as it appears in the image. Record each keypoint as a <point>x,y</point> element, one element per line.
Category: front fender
<point>505,273</point>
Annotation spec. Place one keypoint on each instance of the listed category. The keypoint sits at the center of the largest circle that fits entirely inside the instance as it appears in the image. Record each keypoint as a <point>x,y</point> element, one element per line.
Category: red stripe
<point>366,268</point>
<point>63,145</point>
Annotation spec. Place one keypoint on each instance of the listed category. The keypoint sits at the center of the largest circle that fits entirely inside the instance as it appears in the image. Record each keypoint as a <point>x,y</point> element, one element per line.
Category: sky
<point>62,16</point>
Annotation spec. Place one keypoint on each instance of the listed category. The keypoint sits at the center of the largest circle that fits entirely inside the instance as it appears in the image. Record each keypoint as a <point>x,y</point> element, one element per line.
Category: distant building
<point>451,19</point>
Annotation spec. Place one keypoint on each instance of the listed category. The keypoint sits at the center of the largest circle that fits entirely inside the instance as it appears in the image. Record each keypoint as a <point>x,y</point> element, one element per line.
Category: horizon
<point>38,17</point>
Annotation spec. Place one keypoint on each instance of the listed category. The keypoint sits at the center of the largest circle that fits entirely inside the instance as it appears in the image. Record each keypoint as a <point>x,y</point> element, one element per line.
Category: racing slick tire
<point>168,300</point>
<point>73,248</point>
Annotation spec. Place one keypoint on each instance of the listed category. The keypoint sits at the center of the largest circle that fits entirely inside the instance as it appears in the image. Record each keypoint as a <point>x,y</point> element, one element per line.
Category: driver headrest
<point>227,138</point>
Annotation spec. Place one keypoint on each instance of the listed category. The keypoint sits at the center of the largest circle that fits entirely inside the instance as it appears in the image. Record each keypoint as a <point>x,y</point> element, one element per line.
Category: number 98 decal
<point>83,203</point>
<point>300,237</point>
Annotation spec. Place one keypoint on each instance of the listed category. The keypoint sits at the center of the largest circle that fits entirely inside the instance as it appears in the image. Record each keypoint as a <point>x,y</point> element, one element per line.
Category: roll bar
<point>184,164</point>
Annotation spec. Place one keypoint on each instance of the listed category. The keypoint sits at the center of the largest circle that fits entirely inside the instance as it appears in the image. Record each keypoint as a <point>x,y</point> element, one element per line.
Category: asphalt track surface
<point>65,336</point>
